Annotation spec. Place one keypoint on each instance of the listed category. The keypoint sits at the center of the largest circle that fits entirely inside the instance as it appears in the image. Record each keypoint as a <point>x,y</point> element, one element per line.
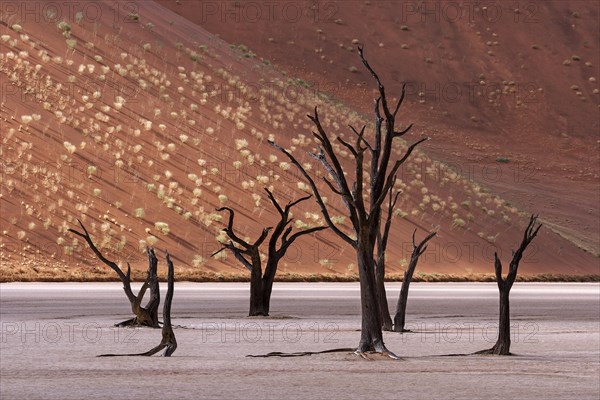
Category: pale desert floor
<point>51,334</point>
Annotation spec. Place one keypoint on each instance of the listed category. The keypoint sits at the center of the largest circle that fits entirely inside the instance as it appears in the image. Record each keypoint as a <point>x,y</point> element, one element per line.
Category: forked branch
<point>124,277</point>
<point>144,316</point>
<point>249,254</point>
<point>317,195</point>
<point>530,233</point>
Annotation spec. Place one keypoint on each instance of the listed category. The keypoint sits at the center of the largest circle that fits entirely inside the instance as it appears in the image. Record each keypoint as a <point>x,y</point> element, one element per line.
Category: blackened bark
<point>154,301</point>
<point>256,289</point>
<point>502,346</point>
<point>382,241</point>
<point>371,338</point>
<point>400,317</point>
<point>418,250</point>
<point>266,299</point>
<point>168,342</point>
<point>384,311</point>
<point>267,282</point>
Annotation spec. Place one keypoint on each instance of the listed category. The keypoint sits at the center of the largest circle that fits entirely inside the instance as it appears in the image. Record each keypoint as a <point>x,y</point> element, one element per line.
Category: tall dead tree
<point>144,315</point>
<point>365,216</point>
<point>502,346</point>
<point>168,342</point>
<point>248,254</point>
<point>417,252</point>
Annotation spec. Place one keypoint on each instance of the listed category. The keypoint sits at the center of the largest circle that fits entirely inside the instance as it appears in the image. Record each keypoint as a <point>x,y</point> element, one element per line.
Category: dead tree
<point>144,316</point>
<point>418,250</point>
<point>502,346</point>
<point>382,240</point>
<point>364,216</point>
<point>248,254</point>
<point>168,342</point>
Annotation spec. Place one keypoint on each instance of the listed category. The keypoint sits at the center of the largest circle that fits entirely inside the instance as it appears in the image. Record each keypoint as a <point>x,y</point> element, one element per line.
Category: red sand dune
<point>141,122</point>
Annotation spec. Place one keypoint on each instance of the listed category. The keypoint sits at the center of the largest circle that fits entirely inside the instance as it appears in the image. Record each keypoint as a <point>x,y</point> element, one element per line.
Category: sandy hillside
<point>141,123</point>
<point>485,82</point>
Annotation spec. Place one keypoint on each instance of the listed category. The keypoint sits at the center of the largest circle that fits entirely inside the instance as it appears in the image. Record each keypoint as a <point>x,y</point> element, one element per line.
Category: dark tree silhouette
<point>365,216</point>
<point>144,316</point>
<point>248,254</point>
<point>418,250</point>
<point>382,240</point>
<point>502,346</point>
<point>168,342</point>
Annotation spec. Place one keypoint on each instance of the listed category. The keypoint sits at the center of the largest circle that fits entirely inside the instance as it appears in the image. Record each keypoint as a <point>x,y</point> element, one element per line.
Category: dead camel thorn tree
<point>168,342</point>
<point>418,250</point>
<point>144,316</point>
<point>364,215</point>
<point>502,346</point>
<point>248,254</point>
<point>382,240</point>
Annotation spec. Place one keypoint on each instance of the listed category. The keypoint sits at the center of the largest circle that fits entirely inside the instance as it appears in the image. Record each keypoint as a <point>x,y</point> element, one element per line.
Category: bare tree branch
<point>342,183</point>
<point>229,228</point>
<point>361,136</point>
<point>530,233</point>
<point>300,200</point>
<point>332,188</point>
<point>348,146</point>
<point>317,195</point>
<point>403,132</point>
<point>275,203</point>
<point>400,100</point>
<point>326,143</point>
<point>112,265</point>
<point>237,253</point>
<point>287,243</point>
<point>390,178</point>
<point>383,238</point>
<point>380,86</point>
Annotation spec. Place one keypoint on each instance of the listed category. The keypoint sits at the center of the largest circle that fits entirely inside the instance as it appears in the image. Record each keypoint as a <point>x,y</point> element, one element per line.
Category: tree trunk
<point>418,250</point>
<point>261,286</point>
<point>168,342</point>
<point>154,301</point>
<point>257,292</point>
<point>502,346</point>
<point>144,316</point>
<point>384,311</point>
<point>371,338</point>
<point>168,336</point>
<point>400,317</point>
<point>266,297</point>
